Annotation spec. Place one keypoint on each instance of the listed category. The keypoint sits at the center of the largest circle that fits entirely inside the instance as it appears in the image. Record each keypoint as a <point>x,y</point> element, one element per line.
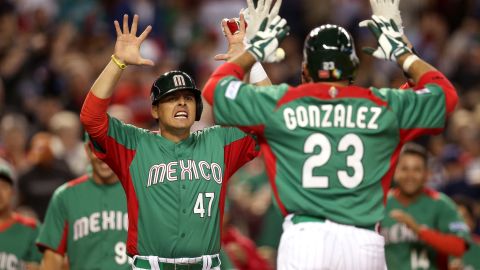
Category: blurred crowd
<point>51,51</point>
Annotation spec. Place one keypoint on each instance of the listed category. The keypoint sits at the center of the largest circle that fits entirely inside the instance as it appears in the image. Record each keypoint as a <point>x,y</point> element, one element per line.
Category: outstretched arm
<point>127,52</point>
<point>446,243</point>
<point>235,34</point>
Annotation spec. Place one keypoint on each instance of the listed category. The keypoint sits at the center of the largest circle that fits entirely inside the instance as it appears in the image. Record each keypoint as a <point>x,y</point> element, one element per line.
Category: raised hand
<point>263,46</point>
<point>235,40</point>
<point>255,15</point>
<point>127,46</point>
<point>391,44</point>
<point>389,9</point>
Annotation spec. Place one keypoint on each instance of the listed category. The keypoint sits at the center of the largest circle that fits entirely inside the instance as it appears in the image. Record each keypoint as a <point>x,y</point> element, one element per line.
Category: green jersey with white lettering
<point>329,150</point>
<point>403,249</point>
<point>175,191</point>
<point>17,243</point>
<point>88,222</point>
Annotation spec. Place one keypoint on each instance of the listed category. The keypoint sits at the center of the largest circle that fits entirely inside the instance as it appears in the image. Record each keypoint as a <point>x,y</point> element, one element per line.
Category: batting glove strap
<point>264,44</point>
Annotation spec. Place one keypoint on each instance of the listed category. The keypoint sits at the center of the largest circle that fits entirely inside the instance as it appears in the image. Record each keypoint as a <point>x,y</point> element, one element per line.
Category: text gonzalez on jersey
<point>328,115</point>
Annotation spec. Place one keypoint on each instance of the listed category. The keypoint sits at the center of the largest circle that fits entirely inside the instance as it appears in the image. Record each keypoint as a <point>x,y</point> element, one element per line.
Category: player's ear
<point>154,111</point>
<point>305,74</point>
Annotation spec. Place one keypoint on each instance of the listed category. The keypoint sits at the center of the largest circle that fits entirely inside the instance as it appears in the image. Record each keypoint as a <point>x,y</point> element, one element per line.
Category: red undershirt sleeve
<point>444,243</point>
<point>94,117</point>
<point>436,77</point>
<point>227,69</point>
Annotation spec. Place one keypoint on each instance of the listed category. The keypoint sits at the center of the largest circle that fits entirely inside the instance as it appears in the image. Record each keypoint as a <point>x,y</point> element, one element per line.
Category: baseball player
<point>174,180</point>
<point>470,259</point>
<point>17,233</point>
<point>87,221</point>
<point>329,145</point>
<point>421,226</point>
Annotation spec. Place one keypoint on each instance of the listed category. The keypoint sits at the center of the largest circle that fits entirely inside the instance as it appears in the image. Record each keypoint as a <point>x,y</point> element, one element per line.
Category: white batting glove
<point>254,16</point>
<point>388,9</point>
<point>390,42</point>
<point>263,46</point>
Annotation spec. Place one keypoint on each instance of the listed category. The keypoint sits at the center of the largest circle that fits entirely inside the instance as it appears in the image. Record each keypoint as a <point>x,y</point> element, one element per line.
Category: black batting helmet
<point>174,81</point>
<point>329,54</point>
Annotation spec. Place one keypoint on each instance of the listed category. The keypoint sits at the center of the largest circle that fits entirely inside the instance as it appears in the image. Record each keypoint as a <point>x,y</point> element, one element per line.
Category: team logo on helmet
<point>178,80</point>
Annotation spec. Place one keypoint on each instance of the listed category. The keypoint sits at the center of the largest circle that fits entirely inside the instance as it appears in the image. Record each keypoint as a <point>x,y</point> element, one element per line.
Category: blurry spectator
<point>421,227</point>
<point>47,173</point>
<point>470,261</point>
<point>456,182</point>
<point>14,136</point>
<point>252,201</point>
<point>66,126</point>
<point>17,233</point>
<point>239,248</point>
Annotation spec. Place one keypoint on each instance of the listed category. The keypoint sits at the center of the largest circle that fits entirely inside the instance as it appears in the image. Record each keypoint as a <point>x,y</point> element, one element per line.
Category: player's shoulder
<point>219,134</point>
<point>438,197</point>
<point>25,221</point>
<point>72,184</point>
<point>432,194</point>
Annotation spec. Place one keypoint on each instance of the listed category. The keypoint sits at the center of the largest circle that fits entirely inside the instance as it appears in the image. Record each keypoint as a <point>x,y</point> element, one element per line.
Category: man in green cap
<point>17,232</point>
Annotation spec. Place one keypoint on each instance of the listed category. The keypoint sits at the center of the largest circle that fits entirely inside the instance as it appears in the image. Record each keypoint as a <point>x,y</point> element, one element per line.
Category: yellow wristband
<point>118,62</point>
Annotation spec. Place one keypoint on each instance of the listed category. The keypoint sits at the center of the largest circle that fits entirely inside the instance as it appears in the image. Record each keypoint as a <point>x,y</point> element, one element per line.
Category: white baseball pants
<point>329,246</point>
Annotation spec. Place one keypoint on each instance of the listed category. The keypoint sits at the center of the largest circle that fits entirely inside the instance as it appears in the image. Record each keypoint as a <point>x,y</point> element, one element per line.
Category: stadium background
<point>52,50</point>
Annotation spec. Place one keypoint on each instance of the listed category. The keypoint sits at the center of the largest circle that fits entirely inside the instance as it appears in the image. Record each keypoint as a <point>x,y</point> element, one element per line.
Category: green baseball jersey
<point>175,191</point>
<point>403,249</point>
<point>88,222</point>
<point>17,243</point>
<point>471,258</point>
<point>327,148</point>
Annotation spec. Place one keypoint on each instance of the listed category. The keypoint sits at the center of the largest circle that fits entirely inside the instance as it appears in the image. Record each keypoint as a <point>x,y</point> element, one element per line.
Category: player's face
<point>100,168</point>
<point>6,195</point>
<point>176,111</point>
<point>411,174</point>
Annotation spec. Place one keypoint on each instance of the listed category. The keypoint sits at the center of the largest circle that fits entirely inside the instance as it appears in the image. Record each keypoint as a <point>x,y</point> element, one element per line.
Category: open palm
<point>127,46</point>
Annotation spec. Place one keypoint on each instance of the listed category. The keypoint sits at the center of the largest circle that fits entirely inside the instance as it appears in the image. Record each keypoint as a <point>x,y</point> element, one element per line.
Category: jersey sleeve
<point>119,146</point>
<point>53,233</point>
<point>449,220</point>
<point>245,105</point>
<point>239,148</point>
<point>422,110</point>
<point>240,104</point>
<point>34,254</point>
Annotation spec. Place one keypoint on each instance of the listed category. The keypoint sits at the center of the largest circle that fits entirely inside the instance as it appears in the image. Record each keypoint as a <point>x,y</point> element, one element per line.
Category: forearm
<point>444,243</point>
<point>244,60</point>
<point>417,68</point>
<point>94,117</point>
<point>106,81</point>
<point>51,261</point>
<point>227,69</point>
<point>423,73</point>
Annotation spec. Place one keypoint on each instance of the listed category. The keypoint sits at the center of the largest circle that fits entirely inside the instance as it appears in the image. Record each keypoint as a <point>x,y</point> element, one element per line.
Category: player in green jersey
<point>470,260</point>
<point>422,226</point>
<point>17,233</point>
<point>330,146</point>
<point>174,180</point>
<point>87,221</point>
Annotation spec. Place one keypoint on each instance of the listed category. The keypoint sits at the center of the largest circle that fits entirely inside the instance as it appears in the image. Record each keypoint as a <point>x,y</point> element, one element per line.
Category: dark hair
<point>415,149</point>
<point>466,202</point>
